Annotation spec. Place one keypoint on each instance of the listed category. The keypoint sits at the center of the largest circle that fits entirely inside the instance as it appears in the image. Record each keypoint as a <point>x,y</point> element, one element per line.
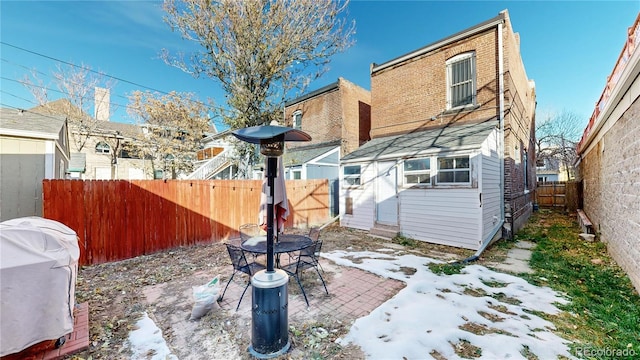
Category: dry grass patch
<point>491,317</point>
<point>481,329</point>
<point>474,292</point>
<point>501,308</point>
<point>467,350</point>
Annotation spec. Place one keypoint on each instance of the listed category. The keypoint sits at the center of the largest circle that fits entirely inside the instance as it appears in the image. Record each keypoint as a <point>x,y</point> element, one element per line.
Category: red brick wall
<point>321,117</point>
<point>519,123</point>
<point>339,114</point>
<point>406,96</point>
<point>356,110</point>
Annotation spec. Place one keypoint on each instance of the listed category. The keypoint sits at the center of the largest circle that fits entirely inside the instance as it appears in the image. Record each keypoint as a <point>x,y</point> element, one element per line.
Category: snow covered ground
<point>429,314</point>
<point>434,313</point>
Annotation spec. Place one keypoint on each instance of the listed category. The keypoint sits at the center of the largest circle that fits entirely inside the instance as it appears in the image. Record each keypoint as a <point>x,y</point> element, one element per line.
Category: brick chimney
<point>101,105</point>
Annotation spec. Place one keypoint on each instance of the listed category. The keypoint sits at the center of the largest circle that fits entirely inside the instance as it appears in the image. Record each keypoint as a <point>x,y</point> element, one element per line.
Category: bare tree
<point>557,136</point>
<point>260,51</point>
<point>77,86</point>
<point>174,125</point>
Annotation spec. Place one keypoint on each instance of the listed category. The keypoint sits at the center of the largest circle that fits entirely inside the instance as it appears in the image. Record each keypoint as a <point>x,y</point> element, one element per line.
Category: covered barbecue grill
<point>38,269</point>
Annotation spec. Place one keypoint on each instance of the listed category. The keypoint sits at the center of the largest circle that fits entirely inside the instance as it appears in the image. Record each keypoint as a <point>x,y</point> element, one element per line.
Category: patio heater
<point>269,310</point>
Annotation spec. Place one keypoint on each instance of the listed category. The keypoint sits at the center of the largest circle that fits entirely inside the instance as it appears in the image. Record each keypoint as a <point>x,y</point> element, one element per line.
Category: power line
<point>29,111</point>
<point>17,97</point>
<point>214,108</point>
<point>89,98</point>
<point>81,67</point>
<point>24,83</point>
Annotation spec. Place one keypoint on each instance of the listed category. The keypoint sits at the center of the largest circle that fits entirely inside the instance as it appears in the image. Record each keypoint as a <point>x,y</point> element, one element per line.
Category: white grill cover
<point>38,269</point>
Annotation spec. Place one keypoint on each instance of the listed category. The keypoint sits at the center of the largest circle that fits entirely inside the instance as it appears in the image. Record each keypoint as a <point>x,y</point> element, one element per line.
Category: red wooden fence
<point>119,219</point>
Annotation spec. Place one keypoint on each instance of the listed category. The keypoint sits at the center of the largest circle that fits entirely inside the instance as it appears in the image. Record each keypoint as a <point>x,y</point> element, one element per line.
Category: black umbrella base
<point>269,314</point>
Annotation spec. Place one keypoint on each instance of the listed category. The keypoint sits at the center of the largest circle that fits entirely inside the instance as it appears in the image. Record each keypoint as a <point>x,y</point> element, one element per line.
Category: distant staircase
<point>211,167</point>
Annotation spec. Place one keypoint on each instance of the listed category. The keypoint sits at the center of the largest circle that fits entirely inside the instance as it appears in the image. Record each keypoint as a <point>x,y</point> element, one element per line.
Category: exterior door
<point>387,193</point>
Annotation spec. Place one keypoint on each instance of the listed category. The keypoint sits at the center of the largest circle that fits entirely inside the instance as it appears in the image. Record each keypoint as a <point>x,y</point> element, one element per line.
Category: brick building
<point>452,120</point>
<point>338,118</point>
<point>340,111</point>
<point>609,160</point>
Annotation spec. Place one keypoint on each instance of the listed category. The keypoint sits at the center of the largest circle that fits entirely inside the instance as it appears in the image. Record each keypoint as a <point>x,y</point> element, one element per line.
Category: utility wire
<point>27,84</point>
<point>31,112</point>
<point>17,97</point>
<point>77,66</point>
<point>57,91</point>
<point>101,73</point>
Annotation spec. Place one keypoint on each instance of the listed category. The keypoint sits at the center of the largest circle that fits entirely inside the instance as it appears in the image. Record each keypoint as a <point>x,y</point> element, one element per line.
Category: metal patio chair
<point>305,259</point>
<point>314,235</point>
<point>240,265</point>
<point>247,231</point>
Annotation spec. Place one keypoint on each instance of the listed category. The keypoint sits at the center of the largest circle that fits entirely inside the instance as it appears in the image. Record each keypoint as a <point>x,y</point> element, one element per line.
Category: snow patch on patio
<point>146,341</point>
<point>429,314</point>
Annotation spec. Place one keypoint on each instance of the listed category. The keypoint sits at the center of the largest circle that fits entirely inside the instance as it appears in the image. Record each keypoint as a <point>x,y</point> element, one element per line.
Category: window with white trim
<point>461,80</point>
<point>351,175</point>
<point>296,174</point>
<point>103,148</point>
<point>417,171</point>
<point>297,119</point>
<point>454,170</point>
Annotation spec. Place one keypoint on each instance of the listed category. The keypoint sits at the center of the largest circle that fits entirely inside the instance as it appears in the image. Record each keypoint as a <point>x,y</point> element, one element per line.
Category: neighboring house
<point>609,160</point>
<point>215,160</point>
<point>33,147</point>
<point>551,169</point>
<point>109,154</point>
<point>338,118</point>
<point>452,155</point>
<point>100,149</point>
<point>545,175</point>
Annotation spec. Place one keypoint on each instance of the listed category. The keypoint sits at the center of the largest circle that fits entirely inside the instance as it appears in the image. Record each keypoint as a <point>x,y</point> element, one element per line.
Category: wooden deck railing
<point>120,219</point>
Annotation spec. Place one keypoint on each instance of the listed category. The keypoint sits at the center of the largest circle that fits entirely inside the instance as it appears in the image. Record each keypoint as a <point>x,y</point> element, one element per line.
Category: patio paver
<point>353,293</point>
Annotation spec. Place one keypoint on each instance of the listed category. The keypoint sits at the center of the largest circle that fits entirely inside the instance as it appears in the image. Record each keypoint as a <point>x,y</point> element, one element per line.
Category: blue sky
<point>568,47</point>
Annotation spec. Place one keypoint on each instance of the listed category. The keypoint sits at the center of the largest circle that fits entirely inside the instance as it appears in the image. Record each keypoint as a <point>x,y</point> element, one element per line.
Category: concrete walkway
<point>517,261</point>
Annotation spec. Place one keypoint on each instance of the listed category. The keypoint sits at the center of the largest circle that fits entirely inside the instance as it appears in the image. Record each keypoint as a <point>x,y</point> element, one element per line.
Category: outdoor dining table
<point>286,243</point>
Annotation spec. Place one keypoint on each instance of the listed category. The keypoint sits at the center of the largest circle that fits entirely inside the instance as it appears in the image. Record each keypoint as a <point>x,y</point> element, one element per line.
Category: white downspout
<point>486,241</point>
<point>501,118</point>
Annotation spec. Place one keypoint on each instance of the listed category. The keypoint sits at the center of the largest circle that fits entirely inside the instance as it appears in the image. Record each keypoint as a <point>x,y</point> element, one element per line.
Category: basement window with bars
<point>461,80</point>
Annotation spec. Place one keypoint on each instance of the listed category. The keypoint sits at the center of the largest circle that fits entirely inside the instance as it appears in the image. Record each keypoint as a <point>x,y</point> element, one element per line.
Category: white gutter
<point>499,22</point>
<point>487,241</point>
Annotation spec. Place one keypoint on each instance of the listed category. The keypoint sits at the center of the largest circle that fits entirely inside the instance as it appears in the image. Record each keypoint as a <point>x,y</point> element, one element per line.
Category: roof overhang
<point>452,138</point>
<point>29,134</point>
